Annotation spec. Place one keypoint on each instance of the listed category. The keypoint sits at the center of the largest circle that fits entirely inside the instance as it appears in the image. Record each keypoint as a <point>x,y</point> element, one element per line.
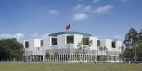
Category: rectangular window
<point>86,41</point>
<point>113,44</point>
<point>26,44</point>
<point>54,41</point>
<point>41,42</point>
<point>114,58</point>
<point>98,42</point>
<point>70,39</point>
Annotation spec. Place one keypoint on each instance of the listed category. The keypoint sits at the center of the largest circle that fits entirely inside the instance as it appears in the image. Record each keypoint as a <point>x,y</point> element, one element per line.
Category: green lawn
<point>19,66</point>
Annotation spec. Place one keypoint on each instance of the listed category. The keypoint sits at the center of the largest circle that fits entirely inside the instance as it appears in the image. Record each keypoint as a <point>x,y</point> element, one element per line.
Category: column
<point>71,57</point>
<point>59,57</point>
<point>63,57</point>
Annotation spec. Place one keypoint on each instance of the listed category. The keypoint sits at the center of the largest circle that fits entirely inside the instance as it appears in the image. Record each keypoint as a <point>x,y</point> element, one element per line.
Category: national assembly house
<point>73,47</point>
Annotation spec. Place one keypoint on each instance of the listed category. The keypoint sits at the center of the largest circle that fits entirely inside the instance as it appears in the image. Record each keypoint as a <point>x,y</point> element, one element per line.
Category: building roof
<point>70,32</point>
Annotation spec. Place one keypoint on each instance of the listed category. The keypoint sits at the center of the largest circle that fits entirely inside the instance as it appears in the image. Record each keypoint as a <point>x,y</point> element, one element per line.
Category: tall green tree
<point>133,44</point>
<point>10,49</point>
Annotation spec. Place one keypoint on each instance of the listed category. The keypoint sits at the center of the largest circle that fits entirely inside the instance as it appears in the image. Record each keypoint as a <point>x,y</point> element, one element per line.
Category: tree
<point>102,48</point>
<point>47,55</point>
<point>82,46</point>
<point>133,44</point>
<point>10,49</point>
<point>103,57</point>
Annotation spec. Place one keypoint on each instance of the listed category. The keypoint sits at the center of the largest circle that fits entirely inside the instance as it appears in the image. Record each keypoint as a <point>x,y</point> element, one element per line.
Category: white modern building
<point>72,47</point>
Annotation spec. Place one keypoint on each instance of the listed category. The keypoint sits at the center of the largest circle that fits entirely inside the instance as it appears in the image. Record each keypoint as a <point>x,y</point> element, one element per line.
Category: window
<point>86,41</point>
<point>26,44</point>
<point>70,40</point>
<point>114,58</point>
<point>98,42</point>
<point>54,41</point>
<point>113,44</point>
<point>41,42</point>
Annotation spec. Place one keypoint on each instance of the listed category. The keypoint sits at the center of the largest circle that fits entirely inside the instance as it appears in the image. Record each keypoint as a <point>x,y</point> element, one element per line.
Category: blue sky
<point>37,18</point>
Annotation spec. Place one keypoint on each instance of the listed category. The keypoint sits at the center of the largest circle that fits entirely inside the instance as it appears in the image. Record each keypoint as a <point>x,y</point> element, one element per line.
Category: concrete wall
<point>35,47</point>
<point>61,41</point>
<point>94,44</point>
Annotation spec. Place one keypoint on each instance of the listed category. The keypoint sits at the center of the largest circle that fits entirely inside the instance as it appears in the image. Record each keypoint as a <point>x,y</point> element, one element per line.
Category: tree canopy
<point>10,49</point>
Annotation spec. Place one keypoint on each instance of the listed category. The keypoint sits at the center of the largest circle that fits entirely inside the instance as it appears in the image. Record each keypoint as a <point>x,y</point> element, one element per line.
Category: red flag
<point>68,27</point>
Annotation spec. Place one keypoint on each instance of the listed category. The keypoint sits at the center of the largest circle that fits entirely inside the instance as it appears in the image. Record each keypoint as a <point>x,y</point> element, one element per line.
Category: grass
<point>20,66</point>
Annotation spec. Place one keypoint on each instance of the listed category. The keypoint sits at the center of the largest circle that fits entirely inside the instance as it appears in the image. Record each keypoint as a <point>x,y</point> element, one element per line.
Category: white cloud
<point>53,12</point>
<point>88,8</point>
<point>78,6</point>
<point>82,12</point>
<point>103,9</point>
<point>79,16</point>
<point>19,35</point>
<point>95,1</point>
<point>6,35</point>
<point>83,9</point>
<point>37,35</point>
